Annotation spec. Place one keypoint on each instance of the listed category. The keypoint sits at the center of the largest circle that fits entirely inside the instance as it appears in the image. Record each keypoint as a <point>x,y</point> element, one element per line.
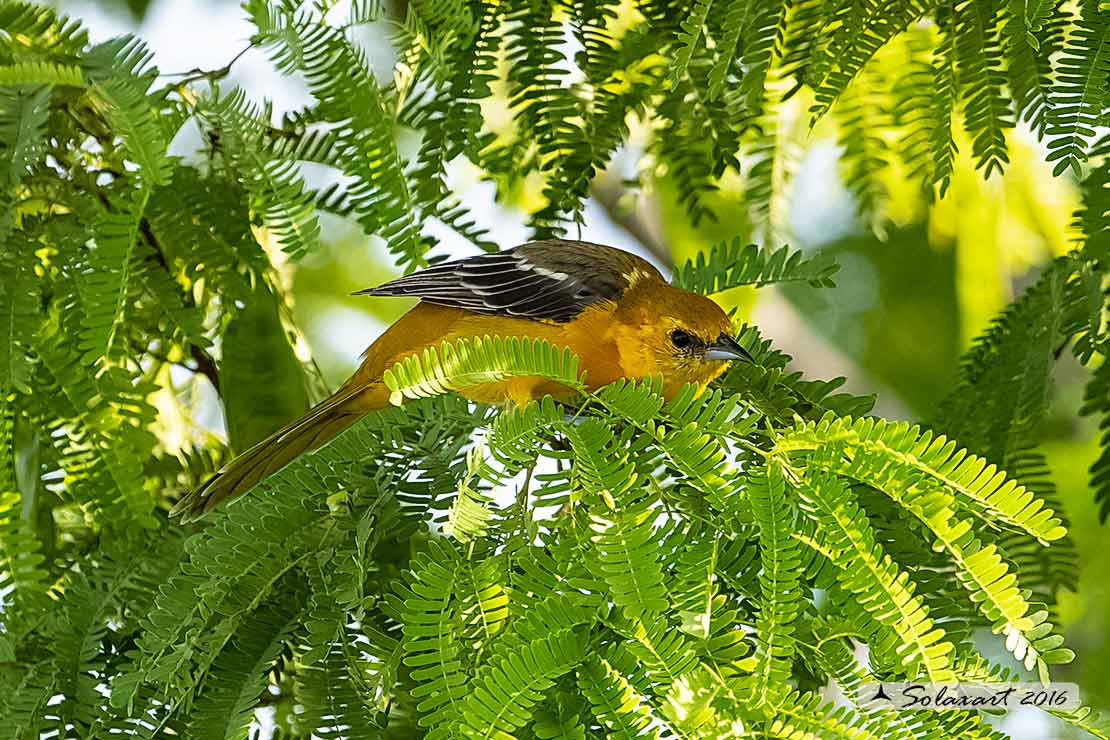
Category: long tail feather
<point>325,420</point>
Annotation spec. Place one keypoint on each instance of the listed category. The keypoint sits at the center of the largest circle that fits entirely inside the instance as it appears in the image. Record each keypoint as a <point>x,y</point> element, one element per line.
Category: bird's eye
<point>681,339</point>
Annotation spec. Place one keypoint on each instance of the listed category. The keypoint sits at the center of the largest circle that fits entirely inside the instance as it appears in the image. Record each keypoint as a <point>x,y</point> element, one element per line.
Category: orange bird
<point>611,308</point>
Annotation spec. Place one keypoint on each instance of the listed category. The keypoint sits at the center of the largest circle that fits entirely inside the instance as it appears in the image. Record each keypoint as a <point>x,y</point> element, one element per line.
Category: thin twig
<point>609,196</point>
<point>206,366</point>
<point>213,74</point>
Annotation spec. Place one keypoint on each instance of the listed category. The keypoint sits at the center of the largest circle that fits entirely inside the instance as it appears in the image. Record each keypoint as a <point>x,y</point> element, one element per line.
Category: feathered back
<point>553,280</point>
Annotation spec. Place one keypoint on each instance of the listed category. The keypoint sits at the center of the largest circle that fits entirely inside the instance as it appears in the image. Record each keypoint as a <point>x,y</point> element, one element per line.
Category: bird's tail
<point>322,422</point>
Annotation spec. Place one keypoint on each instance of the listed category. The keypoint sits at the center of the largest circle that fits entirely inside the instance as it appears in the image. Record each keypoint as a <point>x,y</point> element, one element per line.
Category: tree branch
<point>608,191</point>
<point>205,365</point>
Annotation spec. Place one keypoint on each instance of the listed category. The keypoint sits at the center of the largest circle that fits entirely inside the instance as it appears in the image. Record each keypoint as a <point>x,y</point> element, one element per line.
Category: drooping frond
<point>106,281</point>
<point>1002,393</point>
<point>126,108</point>
<point>980,568</point>
<point>862,119</point>
<point>23,114</point>
<point>884,590</point>
<point>924,94</point>
<point>510,683</point>
<point>23,580</point>
<point>733,264</point>
<point>980,488</point>
<point>238,677</point>
<point>431,641</point>
<point>348,95</point>
<point>614,703</point>
<point>1034,35</point>
<point>1002,389</point>
<point>621,518</point>
<point>19,318</point>
<point>1081,93</point>
<point>781,595</point>
<point>689,36</point>
<point>977,49</point>
<point>278,194</point>
<point>763,24</point>
<point>858,30</point>
<point>665,653</point>
<point>332,693</point>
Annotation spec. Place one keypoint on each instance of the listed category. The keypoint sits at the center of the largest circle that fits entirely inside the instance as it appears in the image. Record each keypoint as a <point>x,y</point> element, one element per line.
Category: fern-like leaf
<point>733,264</point>
<point>1082,89</point>
<point>620,520</point>
<point>979,487</point>
<point>884,590</point>
<point>106,281</point>
<point>467,363</point>
<point>614,702</point>
<point>23,113</point>
<point>780,590</point>
<point>237,679</point>
<point>987,114</point>
<point>431,641</point>
<point>41,73</point>
<point>23,579</point>
<point>688,37</point>
<point>861,28</point>
<point>507,687</point>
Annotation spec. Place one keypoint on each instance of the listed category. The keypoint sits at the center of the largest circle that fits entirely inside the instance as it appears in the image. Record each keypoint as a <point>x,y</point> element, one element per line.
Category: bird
<point>612,308</point>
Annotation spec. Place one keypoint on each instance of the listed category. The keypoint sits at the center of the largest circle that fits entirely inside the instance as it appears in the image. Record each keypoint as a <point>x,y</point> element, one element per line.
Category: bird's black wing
<point>551,280</point>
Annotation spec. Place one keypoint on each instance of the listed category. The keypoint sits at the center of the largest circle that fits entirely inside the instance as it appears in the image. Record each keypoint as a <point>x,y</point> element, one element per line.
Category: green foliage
<point>261,381</point>
<point>1082,88</point>
<point>781,594</point>
<point>474,362</point>
<point>732,265</point>
<point>979,63</point>
<point>627,565</point>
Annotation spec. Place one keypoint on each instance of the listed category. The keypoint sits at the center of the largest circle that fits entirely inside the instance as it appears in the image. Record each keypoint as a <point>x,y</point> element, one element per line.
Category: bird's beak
<point>727,348</point>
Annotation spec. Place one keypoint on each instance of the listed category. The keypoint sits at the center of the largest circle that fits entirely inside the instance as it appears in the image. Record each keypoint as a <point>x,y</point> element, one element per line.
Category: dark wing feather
<point>551,280</point>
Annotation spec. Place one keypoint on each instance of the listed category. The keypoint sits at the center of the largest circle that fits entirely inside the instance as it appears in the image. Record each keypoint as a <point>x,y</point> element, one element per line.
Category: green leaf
<point>781,594</point>
<point>470,362</point>
<point>861,28</point>
<point>238,677</point>
<point>906,452</point>
<point>432,646</point>
<point>845,537</point>
<point>19,318</point>
<point>261,382</point>
<point>614,702</point>
<point>732,264</point>
<point>23,114</point>
<point>1081,90</point>
<point>512,682</point>
<point>977,50</point>
<point>41,73</point>
<point>688,38</point>
<point>620,519</point>
<point>106,280</point>
<point>129,112</point>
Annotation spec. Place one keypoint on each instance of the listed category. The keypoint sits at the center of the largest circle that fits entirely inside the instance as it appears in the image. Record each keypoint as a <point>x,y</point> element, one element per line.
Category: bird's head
<point>685,337</point>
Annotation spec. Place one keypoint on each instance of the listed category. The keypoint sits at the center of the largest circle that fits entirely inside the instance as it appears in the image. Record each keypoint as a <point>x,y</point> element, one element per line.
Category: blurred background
<point>915,287</point>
